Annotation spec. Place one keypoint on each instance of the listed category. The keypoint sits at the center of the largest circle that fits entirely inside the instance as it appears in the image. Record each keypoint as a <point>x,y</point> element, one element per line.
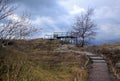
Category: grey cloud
<point>36,3</point>
<point>106,12</point>
<point>42,7</point>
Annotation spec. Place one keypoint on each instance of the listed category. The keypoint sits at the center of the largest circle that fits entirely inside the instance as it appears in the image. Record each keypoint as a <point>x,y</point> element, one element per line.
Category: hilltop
<point>40,60</point>
<point>45,60</point>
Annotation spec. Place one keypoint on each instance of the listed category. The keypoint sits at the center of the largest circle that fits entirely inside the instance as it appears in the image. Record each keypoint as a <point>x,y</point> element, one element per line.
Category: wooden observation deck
<point>60,35</point>
<point>63,36</point>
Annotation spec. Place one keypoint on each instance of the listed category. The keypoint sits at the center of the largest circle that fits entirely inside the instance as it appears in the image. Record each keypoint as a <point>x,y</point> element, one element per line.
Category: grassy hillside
<point>37,60</point>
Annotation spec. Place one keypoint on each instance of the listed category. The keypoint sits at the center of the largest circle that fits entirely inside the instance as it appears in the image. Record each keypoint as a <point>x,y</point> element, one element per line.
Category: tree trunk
<point>83,42</point>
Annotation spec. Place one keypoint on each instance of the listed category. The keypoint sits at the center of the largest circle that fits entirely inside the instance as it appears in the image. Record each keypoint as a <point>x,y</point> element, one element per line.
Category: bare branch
<point>5,9</point>
<point>84,27</point>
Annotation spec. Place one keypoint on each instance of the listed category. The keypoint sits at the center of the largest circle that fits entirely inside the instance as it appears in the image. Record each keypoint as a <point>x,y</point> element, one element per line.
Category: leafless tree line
<point>11,28</point>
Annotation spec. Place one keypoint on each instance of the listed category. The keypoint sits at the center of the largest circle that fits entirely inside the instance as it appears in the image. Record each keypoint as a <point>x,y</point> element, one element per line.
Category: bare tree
<point>13,29</point>
<point>24,27</point>
<point>84,28</point>
<point>17,29</point>
<point>5,11</point>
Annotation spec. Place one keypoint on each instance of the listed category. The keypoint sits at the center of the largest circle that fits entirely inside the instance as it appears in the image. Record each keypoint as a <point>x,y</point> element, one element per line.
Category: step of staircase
<point>92,55</point>
<point>96,58</point>
<point>98,61</point>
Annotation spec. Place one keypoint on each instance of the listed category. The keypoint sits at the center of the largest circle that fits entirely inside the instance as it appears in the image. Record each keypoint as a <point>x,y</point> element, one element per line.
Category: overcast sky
<point>58,15</point>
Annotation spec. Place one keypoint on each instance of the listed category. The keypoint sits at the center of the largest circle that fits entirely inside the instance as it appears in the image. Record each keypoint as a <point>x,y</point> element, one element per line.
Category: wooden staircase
<point>99,69</point>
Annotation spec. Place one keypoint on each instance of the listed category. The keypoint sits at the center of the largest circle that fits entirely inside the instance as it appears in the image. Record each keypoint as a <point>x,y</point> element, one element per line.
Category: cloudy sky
<point>58,15</point>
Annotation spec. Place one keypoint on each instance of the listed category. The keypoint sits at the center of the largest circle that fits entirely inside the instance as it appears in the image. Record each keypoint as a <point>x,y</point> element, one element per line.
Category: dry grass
<point>36,60</point>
